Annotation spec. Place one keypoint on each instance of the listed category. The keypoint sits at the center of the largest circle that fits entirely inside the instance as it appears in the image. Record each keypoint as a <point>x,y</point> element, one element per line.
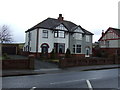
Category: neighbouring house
<point>95,49</point>
<point>109,42</point>
<point>12,48</point>
<point>60,35</point>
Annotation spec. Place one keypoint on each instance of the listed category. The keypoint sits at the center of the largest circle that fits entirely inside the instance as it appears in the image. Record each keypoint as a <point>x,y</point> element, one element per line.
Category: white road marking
<point>51,69</point>
<point>89,85</point>
<point>67,81</point>
<point>33,88</point>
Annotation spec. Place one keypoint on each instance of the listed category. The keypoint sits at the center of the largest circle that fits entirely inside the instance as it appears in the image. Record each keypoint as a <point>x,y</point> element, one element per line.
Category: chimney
<point>60,17</point>
<point>103,32</point>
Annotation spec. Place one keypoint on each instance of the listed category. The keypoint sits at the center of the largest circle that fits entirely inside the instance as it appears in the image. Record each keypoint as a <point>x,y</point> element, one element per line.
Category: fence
<point>18,63</point>
<point>69,62</point>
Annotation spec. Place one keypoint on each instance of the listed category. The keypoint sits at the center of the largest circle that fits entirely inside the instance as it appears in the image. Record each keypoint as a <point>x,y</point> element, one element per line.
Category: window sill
<point>44,37</point>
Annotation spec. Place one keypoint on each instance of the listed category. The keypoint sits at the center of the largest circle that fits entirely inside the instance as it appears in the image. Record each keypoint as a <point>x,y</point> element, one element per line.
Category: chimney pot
<point>60,17</point>
<point>103,32</point>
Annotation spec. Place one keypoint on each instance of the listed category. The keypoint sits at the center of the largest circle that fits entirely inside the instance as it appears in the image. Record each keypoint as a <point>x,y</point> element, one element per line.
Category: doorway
<point>87,52</point>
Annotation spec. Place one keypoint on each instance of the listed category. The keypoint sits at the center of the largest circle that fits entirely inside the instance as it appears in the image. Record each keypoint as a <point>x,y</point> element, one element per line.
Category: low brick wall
<point>70,62</point>
<point>18,64</point>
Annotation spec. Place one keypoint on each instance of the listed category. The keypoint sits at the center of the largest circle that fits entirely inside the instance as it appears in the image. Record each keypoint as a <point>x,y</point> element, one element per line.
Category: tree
<point>5,35</point>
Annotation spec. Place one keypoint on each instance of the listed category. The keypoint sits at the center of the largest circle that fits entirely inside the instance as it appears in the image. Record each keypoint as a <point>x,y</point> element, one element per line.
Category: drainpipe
<point>69,41</point>
<point>29,42</point>
<point>37,40</point>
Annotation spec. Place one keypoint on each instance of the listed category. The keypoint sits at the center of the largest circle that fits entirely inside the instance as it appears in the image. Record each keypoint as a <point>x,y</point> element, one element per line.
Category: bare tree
<point>5,35</point>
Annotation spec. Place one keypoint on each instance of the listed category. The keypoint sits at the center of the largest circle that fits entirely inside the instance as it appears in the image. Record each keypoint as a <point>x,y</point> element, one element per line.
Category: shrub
<point>5,56</point>
<point>68,53</point>
<point>52,54</point>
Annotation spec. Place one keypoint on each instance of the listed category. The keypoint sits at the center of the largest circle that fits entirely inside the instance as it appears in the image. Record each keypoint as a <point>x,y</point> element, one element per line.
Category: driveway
<point>38,63</point>
<point>44,65</point>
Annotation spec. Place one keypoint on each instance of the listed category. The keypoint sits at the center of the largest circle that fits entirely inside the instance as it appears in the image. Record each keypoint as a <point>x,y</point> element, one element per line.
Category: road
<point>86,79</point>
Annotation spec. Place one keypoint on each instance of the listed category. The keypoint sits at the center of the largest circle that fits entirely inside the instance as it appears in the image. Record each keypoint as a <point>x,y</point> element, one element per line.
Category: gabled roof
<point>115,30</point>
<point>50,23</point>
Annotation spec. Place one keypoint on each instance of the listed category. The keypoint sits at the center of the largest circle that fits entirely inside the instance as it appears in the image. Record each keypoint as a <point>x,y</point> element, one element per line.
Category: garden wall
<point>18,63</point>
<point>70,62</point>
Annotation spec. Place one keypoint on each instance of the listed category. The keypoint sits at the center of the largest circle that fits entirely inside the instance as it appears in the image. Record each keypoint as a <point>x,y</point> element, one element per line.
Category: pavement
<point>7,73</point>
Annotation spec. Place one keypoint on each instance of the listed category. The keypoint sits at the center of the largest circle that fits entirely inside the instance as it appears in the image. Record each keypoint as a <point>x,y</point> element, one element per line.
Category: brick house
<point>109,42</point>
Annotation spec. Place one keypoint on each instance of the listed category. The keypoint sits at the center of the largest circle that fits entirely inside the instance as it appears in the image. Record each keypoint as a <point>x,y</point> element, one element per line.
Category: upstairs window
<point>59,34</point>
<point>45,34</point>
<point>55,34</point>
<point>77,36</point>
<point>87,38</point>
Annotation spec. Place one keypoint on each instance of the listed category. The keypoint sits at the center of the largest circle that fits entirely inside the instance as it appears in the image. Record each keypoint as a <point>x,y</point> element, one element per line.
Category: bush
<point>52,54</point>
<point>5,56</point>
<point>68,53</point>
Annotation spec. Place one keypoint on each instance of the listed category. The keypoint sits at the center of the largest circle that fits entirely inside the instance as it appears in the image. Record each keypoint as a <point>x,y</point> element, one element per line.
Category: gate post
<point>31,59</point>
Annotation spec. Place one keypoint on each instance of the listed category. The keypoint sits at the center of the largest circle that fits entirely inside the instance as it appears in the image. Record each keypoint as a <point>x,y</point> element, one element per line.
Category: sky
<point>92,15</point>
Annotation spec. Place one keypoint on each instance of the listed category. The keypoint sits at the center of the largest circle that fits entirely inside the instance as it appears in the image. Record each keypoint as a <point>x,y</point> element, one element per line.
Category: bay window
<point>77,48</point>
<point>77,36</point>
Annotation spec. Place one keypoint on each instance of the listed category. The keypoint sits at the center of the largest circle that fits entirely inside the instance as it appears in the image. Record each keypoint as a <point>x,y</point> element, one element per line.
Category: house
<point>109,42</point>
<point>60,35</point>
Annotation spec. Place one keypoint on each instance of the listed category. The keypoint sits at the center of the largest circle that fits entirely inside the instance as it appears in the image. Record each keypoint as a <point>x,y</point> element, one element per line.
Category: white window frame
<point>59,34</point>
<point>87,38</point>
<point>75,47</point>
<point>77,36</point>
<point>45,33</point>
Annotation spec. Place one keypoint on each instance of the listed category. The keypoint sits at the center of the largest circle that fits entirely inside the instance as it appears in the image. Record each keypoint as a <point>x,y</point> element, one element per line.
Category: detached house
<point>60,35</point>
<point>110,41</point>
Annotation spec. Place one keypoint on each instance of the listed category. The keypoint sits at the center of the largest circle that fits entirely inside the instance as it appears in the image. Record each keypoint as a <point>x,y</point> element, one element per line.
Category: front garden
<point>4,57</point>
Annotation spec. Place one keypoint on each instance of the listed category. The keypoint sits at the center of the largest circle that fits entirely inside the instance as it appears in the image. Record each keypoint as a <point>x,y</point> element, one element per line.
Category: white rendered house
<point>60,35</point>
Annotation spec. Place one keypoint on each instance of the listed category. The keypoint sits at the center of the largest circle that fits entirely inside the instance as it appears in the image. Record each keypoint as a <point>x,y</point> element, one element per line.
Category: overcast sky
<point>93,15</point>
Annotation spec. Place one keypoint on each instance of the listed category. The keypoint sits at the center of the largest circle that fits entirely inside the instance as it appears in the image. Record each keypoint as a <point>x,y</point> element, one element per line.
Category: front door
<point>44,50</point>
<point>87,52</point>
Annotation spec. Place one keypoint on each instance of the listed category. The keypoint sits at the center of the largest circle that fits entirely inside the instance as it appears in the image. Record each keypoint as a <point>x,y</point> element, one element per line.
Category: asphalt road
<point>86,79</point>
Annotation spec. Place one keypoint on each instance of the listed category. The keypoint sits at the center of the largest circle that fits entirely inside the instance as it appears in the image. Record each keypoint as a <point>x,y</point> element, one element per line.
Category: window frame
<point>43,34</point>
<point>77,36</point>
<point>57,34</point>
<point>57,47</point>
<point>87,38</point>
<point>73,48</point>
<point>76,48</point>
